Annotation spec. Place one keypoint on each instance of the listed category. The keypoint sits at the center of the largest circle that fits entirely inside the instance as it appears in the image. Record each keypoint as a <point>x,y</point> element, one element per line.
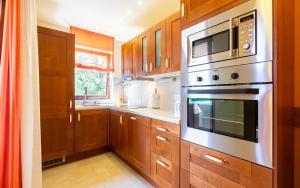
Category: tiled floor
<point>102,171</point>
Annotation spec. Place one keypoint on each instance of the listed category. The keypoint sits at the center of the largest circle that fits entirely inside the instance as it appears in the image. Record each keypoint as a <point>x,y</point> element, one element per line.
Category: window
<point>92,73</point>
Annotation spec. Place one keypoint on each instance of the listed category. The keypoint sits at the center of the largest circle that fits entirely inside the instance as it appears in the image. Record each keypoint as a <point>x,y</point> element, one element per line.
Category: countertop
<point>160,114</point>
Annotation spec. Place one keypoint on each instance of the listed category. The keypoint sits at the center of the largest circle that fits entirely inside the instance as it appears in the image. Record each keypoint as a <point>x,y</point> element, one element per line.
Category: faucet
<point>85,96</point>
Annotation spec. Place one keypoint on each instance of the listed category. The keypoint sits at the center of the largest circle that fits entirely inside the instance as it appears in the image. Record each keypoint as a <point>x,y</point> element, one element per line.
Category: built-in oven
<point>240,35</point>
<point>233,114</point>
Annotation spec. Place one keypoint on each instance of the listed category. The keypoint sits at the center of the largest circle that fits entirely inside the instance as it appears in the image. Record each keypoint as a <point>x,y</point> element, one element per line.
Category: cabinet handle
<point>121,119</point>
<point>71,104</point>
<point>78,117</point>
<point>71,118</point>
<point>150,67</point>
<point>182,10</point>
<point>161,138</point>
<point>133,118</point>
<point>162,129</point>
<point>214,159</point>
<point>167,63</point>
<point>162,164</point>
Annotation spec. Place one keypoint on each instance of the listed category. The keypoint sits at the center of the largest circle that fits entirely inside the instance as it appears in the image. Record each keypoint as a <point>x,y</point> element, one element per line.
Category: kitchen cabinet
<point>144,48</point>
<point>158,47</point>
<point>173,43</point>
<point>193,11</point>
<point>127,59</point>
<point>118,132</point>
<point>203,167</point>
<point>136,64</point>
<point>139,143</point>
<point>56,73</point>
<point>91,129</point>
<point>165,154</point>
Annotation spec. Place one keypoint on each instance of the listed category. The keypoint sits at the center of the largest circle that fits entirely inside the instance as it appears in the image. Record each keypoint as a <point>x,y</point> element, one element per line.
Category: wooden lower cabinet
<point>118,132</point>
<point>202,167</point>
<point>138,153</point>
<point>91,131</point>
<point>164,154</point>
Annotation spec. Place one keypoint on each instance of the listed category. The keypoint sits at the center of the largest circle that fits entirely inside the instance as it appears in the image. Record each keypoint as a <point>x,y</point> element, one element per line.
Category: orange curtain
<point>94,41</point>
<point>10,147</point>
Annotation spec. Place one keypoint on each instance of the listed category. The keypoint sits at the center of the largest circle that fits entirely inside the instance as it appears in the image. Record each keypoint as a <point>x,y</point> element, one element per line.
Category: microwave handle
<point>232,33</point>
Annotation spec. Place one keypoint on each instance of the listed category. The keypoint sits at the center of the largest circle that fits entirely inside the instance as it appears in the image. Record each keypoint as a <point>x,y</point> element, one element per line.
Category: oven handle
<point>225,91</point>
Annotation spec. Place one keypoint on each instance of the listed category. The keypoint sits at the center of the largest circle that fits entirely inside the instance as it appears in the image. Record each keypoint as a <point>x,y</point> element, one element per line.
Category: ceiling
<point>122,19</point>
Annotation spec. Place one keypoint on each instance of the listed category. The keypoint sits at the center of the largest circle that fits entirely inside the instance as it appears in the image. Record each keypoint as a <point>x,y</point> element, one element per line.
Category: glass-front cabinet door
<point>144,44</point>
<point>234,118</point>
<point>158,47</point>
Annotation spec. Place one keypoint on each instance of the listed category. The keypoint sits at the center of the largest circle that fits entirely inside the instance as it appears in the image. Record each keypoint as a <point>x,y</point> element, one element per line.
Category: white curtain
<point>30,103</point>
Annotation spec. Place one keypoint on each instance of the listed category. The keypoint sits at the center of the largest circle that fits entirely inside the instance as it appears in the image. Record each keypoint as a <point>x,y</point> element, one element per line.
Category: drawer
<point>166,127</point>
<point>165,145</point>
<point>211,159</point>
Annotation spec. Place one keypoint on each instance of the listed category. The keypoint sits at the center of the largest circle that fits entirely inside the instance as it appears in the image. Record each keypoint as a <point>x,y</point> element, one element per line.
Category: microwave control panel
<point>247,34</point>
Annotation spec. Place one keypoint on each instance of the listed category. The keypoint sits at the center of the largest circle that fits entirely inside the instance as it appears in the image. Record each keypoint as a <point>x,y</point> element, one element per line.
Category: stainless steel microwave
<point>242,35</point>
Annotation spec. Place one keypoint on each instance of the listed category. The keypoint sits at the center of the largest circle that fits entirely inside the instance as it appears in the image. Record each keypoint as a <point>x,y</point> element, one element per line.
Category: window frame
<point>83,49</point>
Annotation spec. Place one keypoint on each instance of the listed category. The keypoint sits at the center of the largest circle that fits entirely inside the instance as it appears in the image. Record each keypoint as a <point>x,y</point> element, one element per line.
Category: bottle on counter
<point>155,100</point>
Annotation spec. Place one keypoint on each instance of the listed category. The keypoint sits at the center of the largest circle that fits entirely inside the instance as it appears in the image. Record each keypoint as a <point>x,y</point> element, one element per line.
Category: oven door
<point>217,43</point>
<point>236,120</point>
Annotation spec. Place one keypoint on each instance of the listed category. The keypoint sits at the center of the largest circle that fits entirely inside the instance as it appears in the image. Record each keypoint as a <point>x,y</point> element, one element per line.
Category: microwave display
<point>212,44</point>
<point>234,118</point>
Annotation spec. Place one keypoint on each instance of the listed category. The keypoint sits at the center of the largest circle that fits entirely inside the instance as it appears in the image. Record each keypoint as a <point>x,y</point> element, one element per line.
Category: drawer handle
<point>133,118</point>
<point>161,138</point>
<point>121,119</point>
<point>162,164</point>
<point>214,159</point>
<point>162,129</point>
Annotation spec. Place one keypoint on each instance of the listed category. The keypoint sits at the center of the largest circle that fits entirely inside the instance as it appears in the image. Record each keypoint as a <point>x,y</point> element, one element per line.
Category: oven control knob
<point>215,77</point>
<point>199,79</point>
<point>246,46</point>
<point>235,75</point>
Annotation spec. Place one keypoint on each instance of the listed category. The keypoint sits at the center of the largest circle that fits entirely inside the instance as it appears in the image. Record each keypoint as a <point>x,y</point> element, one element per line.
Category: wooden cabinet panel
<point>91,130</point>
<point>136,63</point>
<point>166,127</point>
<point>139,143</point>
<point>56,68</point>
<point>145,50</point>
<point>158,47</point>
<point>203,167</point>
<point>127,59</point>
<point>118,132</point>
<point>173,39</point>
<point>164,156</point>
<point>194,11</point>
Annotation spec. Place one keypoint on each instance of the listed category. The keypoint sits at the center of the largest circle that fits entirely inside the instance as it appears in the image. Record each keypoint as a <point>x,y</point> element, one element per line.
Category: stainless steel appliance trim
<point>261,152</point>
<point>264,35</point>
<point>250,73</point>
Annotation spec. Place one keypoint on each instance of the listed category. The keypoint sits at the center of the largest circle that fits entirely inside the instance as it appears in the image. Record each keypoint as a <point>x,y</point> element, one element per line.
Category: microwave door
<point>214,44</point>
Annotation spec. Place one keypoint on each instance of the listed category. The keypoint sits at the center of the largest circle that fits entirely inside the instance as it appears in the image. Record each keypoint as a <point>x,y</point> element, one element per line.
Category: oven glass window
<point>211,45</point>
<point>233,118</point>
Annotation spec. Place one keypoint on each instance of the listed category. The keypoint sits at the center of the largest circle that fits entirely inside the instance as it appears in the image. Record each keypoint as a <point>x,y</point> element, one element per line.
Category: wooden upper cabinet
<point>91,129</point>
<point>193,11</point>
<point>139,143</point>
<point>56,69</point>
<point>144,48</point>
<point>158,48</point>
<point>173,42</point>
<point>127,59</point>
<point>136,63</point>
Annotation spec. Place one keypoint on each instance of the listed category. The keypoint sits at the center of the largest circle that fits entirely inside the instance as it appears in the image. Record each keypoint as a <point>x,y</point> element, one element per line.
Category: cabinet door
<point>127,59</point>
<point>91,130</point>
<point>118,132</point>
<point>198,10</point>
<point>158,48</point>
<point>139,143</point>
<point>56,69</point>
<point>136,69</point>
<point>144,45</point>
<point>173,37</point>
